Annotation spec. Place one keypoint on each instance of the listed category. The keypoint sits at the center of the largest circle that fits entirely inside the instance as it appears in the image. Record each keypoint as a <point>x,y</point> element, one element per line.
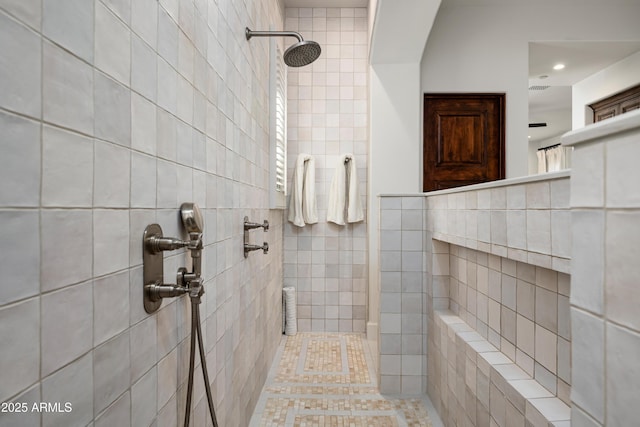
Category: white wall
<point>616,78</point>
<point>484,48</point>
<point>394,157</point>
<point>396,126</point>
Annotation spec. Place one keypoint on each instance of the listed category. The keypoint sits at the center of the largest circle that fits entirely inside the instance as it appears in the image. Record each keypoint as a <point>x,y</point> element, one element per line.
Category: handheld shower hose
<point>195,293</point>
<point>193,223</point>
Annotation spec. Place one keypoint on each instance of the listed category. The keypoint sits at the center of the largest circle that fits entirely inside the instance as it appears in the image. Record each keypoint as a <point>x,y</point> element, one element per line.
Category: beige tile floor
<point>327,379</point>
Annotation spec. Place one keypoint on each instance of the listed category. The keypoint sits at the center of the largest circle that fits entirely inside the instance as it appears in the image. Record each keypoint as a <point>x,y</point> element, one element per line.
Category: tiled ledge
<point>523,219</point>
<point>498,387</point>
<point>527,220</point>
<point>605,129</point>
<point>492,184</point>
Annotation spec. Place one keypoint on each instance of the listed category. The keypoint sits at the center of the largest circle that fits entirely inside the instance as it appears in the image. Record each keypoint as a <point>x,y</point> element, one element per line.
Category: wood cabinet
<point>617,104</point>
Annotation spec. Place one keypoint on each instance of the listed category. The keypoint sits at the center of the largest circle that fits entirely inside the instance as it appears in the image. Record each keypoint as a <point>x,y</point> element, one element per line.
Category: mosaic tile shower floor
<point>327,379</point>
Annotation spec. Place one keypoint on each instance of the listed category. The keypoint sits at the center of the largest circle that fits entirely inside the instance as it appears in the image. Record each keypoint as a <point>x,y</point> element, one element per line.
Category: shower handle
<point>156,291</point>
<point>160,244</point>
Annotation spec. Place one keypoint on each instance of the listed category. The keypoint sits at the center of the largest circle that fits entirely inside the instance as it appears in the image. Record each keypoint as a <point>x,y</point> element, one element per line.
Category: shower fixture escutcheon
<point>154,244</point>
<point>248,225</point>
<point>299,54</point>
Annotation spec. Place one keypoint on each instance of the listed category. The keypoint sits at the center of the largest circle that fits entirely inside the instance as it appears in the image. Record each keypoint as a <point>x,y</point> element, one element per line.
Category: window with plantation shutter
<point>278,131</point>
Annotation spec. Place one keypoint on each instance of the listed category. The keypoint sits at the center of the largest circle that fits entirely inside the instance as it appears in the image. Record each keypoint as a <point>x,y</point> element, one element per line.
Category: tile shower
<point>483,266</point>
<point>327,117</point>
<point>113,113</point>
<point>528,290</point>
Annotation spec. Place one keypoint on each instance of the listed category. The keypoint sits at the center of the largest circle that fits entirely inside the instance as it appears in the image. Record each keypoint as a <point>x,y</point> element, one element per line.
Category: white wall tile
<point>499,227</point>
<point>67,169</point>
<point>144,20</point>
<point>111,306</point>
<point>20,68</point>
<point>560,193</point>
<point>143,124</point>
<point>525,335</point>
<point>546,348</point>
<point>113,45</point>
<point>122,8</point>
<point>19,244</point>
<point>112,108</point>
<point>622,172</point>
<point>517,229</point>
<point>561,233</point>
<point>581,419</point>
<point>70,309</point>
<point>29,397</point>
<point>547,309</point>
<point>587,176</point>
<point>110,241</point>
<point>539,231</point>
<point>112,180</point>
<point>20,147</point>
<point>498,198</point>
<point>516,197</point>
<point>622,267</point>
<point>66,236</point>
<point>143,181</point>
<point>28,11</point>
<point>167,86</point>
<point>73,384</point>
<point>69,23</point>
<point>587,363</point>
<point>19,332</point>
<point>587,261</point>
<point>167,38</point>
<point>110,371</point>
<point>623,376</point>
<point>143,399</point>
<point>538,195</point>
<point>144,75</point>
<point>118,414</point>
<point>59,85</point>
<point>67,90</point>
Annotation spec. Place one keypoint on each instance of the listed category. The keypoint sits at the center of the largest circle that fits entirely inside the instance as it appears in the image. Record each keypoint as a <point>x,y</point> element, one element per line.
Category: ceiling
<point>581,59</point>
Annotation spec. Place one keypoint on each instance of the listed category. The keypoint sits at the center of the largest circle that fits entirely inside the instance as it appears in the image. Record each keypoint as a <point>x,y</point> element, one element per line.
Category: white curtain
<point>553,159</point>
<point>542,161</point>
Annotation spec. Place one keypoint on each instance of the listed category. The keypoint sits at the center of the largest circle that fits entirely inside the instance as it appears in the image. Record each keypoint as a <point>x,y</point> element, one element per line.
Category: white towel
<point>302,204</point>
<point>344,192</point>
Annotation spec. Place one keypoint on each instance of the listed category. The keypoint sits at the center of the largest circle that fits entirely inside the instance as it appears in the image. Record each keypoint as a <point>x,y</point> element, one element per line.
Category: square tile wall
<point>521,309</point>
<point>605,205</point>
<point>524,221</point>
<point>113,113</point>
<point>402,295</point>
<point>327,117</point>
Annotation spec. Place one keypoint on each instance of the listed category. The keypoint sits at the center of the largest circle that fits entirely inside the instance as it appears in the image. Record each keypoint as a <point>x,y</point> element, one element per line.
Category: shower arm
<point>248,33</point>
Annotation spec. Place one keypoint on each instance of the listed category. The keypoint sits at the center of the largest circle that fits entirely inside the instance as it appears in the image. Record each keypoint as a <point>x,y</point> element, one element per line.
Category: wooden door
<point>463,139</point>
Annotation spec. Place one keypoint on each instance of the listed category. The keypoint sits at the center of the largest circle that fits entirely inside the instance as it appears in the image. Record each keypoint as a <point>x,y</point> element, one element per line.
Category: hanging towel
<point>344,192</point>
<point>302,204</point>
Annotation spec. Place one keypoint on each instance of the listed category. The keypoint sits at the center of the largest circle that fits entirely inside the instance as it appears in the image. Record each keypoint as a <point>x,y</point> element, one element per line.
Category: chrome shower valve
<point>154,244</point>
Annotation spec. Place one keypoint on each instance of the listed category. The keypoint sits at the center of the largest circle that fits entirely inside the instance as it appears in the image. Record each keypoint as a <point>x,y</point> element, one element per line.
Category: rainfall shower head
<point>297,55</point>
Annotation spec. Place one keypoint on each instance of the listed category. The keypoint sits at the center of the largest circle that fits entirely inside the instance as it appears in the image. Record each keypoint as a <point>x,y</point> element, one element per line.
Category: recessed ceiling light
<point>558,66</point>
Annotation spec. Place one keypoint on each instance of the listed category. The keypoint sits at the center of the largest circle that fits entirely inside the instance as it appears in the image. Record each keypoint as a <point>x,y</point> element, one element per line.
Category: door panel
<point>463,139</point>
